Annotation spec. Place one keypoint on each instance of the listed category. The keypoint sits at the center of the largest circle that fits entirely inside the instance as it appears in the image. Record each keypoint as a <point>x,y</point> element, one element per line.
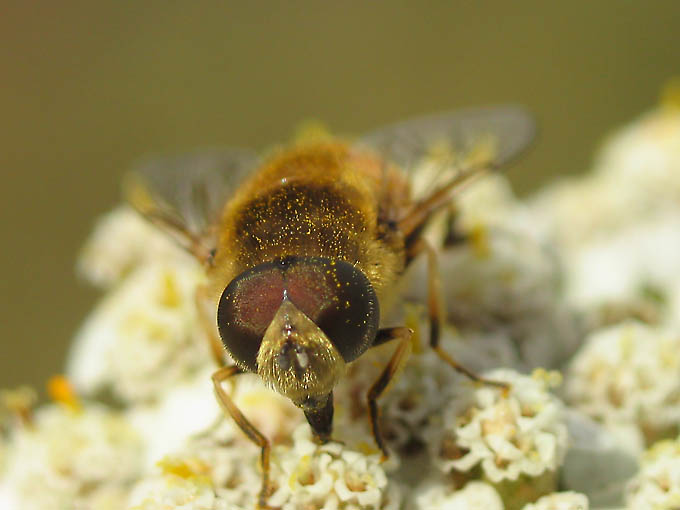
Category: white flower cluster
<point>657,484</point>
<point>510,284</point>
<point>633,268</point>
<point>213,470</point>
<point>644,158</point>
<point>507,436</point>
<point>636,177</point>
<point>331,477</point>
<point>121,242</point>
<point>145,334</point>
<point>415,398</point>
<point>434,416</point>
<point>618,227</point>
<point>220,471</point>
<point>72,458</point>
<point>628,373</point>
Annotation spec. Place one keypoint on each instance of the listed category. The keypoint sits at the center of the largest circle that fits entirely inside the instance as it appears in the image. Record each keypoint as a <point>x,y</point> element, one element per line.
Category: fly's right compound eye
<point>246,309</point>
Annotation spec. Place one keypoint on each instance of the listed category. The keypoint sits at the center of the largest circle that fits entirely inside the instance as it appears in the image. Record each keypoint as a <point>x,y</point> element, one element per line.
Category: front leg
<point>248,428</point>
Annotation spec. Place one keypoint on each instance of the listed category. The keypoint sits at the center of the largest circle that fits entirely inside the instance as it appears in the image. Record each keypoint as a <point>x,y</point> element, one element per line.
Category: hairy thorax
<point>313,200</point>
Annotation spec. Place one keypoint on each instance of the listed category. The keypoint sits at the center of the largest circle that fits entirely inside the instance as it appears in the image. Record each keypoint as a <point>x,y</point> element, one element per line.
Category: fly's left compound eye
<point>339,299</point>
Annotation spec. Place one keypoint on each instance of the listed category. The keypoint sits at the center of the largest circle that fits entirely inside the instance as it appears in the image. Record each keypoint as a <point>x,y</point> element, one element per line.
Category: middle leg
<point>436,312</point>
<point>382,384</point>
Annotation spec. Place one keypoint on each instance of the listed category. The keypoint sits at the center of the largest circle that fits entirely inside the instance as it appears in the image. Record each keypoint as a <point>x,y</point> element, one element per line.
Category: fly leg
<point>248,428</point>
<point>382,384</point>
<point>452,235</point>
<point>436,313</point>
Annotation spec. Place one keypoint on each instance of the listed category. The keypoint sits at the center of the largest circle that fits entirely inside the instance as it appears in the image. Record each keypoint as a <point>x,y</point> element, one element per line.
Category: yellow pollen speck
<point>60,390</point>
<point>186,469</point>
<point>413,323</point>
<point>170,294</point>
<point>301,472</point>
<point>480,241</point>
<point>551,378</point>
<point>311,131</point>
<point>367,449</point>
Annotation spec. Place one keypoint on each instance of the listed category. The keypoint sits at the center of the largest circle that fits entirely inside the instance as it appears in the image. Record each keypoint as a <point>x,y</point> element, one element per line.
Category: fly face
<point>297,321</point>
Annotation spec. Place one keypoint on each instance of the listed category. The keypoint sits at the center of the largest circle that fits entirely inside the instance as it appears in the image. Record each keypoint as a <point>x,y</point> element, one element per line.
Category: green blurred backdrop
<point>87,87</point>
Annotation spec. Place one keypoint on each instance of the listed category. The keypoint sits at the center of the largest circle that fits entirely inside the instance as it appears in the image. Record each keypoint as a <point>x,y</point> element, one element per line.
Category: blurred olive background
<point>87,87</point>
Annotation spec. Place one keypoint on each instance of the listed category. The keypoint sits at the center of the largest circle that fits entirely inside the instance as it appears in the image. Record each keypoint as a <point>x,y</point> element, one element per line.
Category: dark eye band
<point>334,294</point>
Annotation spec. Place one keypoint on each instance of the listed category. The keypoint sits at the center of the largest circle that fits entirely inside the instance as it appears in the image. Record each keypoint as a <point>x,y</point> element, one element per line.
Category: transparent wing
<point>445,144</point>
<point>185,193</point>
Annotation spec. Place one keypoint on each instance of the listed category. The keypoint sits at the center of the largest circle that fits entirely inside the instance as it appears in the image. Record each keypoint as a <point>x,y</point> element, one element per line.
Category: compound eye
<point>246,309</point>
<point>332,293</point>
<point>339,299</point>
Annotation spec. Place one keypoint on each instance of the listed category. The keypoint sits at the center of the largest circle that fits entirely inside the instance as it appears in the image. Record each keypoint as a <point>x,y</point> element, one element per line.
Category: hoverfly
<point>301,248</point>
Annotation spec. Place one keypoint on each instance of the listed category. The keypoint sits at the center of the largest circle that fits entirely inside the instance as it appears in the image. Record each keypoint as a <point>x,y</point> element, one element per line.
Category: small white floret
<point>330,476</point>
<point>560,501</point>
<point>523,433</point>
<point>657,484</point>
<point>438,495</point>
